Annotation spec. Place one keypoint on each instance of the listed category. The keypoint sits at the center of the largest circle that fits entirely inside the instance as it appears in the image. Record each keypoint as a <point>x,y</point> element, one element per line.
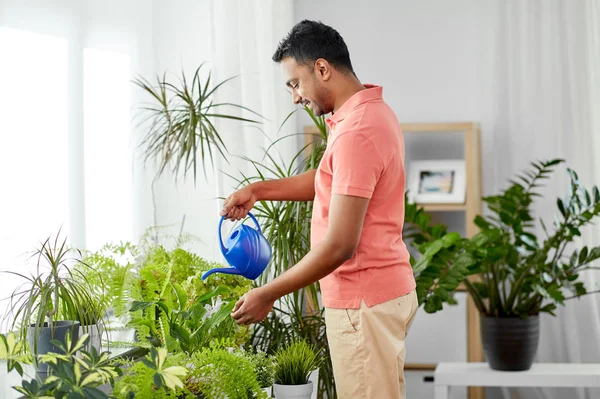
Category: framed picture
<point>437,182</point>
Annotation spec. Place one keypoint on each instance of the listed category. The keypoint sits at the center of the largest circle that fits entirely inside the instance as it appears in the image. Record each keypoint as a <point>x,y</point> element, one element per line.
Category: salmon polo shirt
<point>365,158</point>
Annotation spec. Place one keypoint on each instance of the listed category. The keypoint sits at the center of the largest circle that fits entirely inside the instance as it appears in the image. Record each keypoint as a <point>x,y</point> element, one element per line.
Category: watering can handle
<point>223,249</point>
<point>255,222</point>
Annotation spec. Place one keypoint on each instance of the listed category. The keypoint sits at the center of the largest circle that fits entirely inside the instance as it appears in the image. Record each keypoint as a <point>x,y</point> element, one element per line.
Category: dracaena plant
<point>58,290</point>
<point>515,271</point>
<point>286,225</point>
<point>182,132</point>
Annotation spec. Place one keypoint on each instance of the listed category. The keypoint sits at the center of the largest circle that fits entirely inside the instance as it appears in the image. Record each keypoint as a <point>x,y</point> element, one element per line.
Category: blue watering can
<point>246,250</point>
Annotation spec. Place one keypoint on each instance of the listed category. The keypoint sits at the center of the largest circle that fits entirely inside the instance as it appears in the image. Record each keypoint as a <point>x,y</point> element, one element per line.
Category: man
<point>357,252</point>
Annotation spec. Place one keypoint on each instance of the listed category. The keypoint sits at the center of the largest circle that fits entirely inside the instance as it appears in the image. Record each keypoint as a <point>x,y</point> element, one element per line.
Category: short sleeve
<point>356,164</point>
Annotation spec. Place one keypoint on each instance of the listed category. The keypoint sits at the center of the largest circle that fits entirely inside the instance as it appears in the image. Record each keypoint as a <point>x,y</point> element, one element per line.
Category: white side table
<point>540,375</point>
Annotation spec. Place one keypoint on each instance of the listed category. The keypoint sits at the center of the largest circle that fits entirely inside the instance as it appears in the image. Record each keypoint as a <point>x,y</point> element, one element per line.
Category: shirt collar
<point>371,92</point>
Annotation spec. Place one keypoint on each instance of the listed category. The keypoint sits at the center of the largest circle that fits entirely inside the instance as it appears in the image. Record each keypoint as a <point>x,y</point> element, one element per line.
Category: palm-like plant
<point>60,292</point>
<point>286,226</point>
<point>182,130</point>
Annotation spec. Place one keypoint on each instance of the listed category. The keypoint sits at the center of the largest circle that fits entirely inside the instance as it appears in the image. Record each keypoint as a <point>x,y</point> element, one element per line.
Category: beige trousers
<point>367,348</point>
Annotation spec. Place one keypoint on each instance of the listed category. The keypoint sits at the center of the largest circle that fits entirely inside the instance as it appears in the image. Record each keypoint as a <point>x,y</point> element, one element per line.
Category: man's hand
<point>253,307</point>
<point>238,204</point>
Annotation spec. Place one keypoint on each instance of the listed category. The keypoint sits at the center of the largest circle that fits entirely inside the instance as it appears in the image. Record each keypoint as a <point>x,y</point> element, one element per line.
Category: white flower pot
<point>268,391</point>
<point>293,391</point>
<point>314,377</point>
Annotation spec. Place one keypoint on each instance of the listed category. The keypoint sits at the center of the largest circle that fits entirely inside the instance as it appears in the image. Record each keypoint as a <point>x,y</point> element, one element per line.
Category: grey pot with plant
<point>51,302</point>
<point>294,365</point>
<point>511,274</point>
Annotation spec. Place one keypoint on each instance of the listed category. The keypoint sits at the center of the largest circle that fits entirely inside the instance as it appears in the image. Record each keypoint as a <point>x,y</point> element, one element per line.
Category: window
<point>33,146</point>
<point>39,151</point>
<point>108,160</point>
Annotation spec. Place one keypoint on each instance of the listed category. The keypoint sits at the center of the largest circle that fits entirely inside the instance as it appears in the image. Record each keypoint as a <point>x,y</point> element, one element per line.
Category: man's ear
<point>323,69</point>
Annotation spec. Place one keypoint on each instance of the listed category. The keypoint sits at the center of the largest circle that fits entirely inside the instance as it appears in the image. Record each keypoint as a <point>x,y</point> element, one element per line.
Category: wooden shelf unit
<point>471,208</point>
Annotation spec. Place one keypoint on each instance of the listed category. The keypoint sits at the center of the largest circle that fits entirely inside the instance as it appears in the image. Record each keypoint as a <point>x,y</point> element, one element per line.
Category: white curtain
<point>540,74</point>
<point>69,157</point>
<point>240,37</point>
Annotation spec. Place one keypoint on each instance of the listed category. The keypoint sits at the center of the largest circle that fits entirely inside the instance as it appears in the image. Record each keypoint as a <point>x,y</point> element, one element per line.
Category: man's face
<point>307,86</point>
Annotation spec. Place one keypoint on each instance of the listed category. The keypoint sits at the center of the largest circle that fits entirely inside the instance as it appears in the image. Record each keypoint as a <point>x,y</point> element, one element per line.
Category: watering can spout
<point>226,270</point>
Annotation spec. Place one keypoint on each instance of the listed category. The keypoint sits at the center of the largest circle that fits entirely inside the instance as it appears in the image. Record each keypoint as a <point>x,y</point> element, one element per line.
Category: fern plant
<point>218,372</point>
<point>519,274</point>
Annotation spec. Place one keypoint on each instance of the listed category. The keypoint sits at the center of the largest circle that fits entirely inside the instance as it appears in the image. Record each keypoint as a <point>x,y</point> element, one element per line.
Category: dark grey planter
<point>45,334</point>
<point>510,343</point>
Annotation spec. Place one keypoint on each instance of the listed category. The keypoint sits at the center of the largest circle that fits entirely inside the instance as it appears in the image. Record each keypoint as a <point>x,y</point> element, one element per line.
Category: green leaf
<point>433,304</point>
<point>481,222</point>
<point>481,288</point>
<point>549,308</point>
<point>158,380</point>
<point>442,293</point>
<point>579,289</point>
<point>433,248</point>
<point>561,207</point>
<point>450,239</point>
<point>529,243</point>
<point>588,198</point>
<point>139,305</point>
<point>421,264</point>
<point>148,363</point>
<point>583,255</point>
<point>593,255</point>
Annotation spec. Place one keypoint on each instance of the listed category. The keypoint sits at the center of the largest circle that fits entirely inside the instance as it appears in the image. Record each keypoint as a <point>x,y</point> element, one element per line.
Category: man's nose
<point>296,98</point>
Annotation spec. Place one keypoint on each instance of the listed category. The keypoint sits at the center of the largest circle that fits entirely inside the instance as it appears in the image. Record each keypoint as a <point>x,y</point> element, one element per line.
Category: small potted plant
<point>264,366</point>
<point>294,364</point>
<point>48,305</point>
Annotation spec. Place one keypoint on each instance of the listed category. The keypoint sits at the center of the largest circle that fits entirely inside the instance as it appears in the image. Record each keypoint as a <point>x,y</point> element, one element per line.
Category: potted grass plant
<point>51,302</point>
<point>294,364</point>
<point>512,271</point>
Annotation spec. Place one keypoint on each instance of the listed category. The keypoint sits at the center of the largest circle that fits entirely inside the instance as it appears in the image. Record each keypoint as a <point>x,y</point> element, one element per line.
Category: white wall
<point>423,53</point>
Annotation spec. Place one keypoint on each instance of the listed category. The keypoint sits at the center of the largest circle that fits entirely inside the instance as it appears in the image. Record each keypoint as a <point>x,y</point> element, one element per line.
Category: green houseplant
<point>518,275</point>
<point>52,302</point>
<point>74,372</point>
<point>286,226</point>
<point>294,364</point>
<point>264,366</point>
<point>181,132</point>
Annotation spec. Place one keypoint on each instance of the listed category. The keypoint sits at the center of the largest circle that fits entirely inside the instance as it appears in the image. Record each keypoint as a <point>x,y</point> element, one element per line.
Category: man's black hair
<point>311,40</point>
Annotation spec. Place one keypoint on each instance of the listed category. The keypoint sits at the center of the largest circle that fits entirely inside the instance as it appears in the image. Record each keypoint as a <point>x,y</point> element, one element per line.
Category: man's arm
<point>342,239</point>
<point>296,188</point>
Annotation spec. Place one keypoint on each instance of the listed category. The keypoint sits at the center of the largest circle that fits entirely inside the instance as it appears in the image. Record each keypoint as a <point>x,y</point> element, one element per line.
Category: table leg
<point>441,392</point>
